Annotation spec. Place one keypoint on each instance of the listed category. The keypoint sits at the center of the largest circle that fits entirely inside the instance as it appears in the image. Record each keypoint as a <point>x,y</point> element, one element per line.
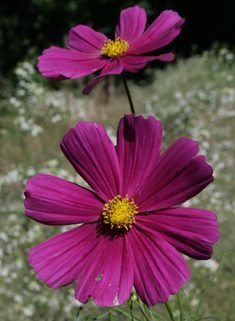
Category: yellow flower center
<point>114,49</point>
<point>120,212</point>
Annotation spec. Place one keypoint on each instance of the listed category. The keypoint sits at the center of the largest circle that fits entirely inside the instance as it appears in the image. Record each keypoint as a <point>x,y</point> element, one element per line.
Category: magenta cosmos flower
<point>131,232</point>
<point>89,51</point>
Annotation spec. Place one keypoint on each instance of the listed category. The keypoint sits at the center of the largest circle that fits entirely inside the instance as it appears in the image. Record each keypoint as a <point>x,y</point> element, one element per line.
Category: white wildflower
<point>15,102</point>
<point>56,118</point>
<point>229,56</point>
<point>28,311</point>
<point>211,264</point>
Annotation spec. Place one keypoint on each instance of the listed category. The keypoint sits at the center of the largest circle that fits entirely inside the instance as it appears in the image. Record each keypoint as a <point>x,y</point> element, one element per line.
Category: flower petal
<point>112,67</point>
<point>54,201</point>
<point>190,231</point>
<point>84,39</point>
<point>100,263</point>
<point>159,270</point>
<point>108,275</point>
<point>60,64</point>
<point>166,57</point>
<point>138,148</point>
<point>163,30</point>
<point>94,157</point>
<point>61,259</point>
<point>177,177</point>
<point>131,24</point>
<point>134,63</point>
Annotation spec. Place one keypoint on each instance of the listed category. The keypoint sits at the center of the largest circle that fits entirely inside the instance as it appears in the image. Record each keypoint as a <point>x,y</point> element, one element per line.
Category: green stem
<point>212,280</point>
<point>180,306</point>
<point>110,315</point>
<point>169,311</point>
<point>190,307</point>
<point>132,316</point>
<point>144,314</point>
<point>146,309</point>
<point>128,93</point>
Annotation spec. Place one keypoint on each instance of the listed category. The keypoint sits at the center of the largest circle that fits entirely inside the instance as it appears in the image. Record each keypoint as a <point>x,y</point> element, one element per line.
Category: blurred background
<point>194,96</point>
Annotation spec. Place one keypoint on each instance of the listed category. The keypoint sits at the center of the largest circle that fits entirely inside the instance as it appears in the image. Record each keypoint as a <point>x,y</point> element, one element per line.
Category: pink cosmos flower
<point>89,51</point>
<point>131,232</point>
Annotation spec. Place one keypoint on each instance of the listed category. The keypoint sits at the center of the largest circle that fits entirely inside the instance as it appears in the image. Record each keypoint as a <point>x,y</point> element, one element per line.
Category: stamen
<point>120,212</point>
<point>114,49</point>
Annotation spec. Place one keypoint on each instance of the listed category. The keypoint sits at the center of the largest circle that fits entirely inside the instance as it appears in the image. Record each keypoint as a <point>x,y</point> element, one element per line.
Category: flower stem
<point>132,315</point>
<point>180,306</point>
<point>128,93</point>
<point>110,315</point>
<point>146,309</point>
<point>144,314</point>
<point>169,311</point>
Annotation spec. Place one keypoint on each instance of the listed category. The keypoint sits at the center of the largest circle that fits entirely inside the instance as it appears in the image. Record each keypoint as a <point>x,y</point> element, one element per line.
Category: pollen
<point>120,212</point>
<point>114,49</point>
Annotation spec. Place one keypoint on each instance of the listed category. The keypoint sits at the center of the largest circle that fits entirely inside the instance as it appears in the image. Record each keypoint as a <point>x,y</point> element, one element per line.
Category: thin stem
<point>190,307</point>
<point>144,314</point>
<point>110,315</point>
<point>180,306</point>
<point>131,307</point>
<point>126,314</point>
<point>169,311</point>
<point>146,309</point>
<point>128,93</point>
<point>212,280</point>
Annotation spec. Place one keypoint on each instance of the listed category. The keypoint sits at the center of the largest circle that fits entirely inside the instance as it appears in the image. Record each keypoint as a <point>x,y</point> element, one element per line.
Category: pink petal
<point>134,64</point>
<point>94,157</point>
<point>138,148</point>
<point>99,261</point>
<point>166,57</point>
<point>85,39</point>
<point>112,67</point>
<point>112,263</point>
<point>54,201</point>
<point>159,270</point>
<point>190,231</point>
<point>131,24</point>
<point>61,64</point>
<point>177,177</point>
<point>61,259</point>
<point>163,30</point>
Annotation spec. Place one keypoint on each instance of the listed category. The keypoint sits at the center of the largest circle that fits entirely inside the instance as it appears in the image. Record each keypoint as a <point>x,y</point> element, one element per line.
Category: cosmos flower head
<point>131,231</point>
<point>89,51</point>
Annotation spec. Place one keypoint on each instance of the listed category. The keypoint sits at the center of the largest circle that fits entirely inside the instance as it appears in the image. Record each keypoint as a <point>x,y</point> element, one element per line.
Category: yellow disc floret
<point>114,49</point>
<point>120,212</point>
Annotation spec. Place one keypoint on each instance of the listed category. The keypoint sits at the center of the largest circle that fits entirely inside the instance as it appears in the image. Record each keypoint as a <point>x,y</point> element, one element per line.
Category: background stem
<point>128,93</point>
<point>180,306</point>
<point>169,311</point>
<point>110,315</point>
